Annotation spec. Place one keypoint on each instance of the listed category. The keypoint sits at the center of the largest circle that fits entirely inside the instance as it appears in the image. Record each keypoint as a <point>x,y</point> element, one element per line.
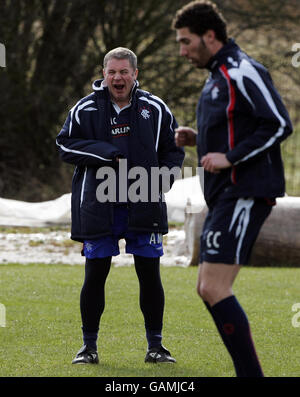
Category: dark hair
<point>200,16</point>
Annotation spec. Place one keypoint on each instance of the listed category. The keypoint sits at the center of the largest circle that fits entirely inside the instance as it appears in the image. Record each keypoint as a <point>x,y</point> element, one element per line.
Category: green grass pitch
<point>42,332</point>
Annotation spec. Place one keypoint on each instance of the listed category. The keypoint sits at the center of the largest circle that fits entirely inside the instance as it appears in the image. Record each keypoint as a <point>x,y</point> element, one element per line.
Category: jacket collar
<point>100,85</point>
<point>221,54</point>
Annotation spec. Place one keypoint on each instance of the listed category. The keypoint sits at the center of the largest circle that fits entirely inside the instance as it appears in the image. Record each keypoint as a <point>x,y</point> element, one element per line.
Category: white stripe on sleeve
<point>166,108</point>
<point>81,107</point>
<point>82,153</point>
<point>247,70</point>
<point>158,107</point>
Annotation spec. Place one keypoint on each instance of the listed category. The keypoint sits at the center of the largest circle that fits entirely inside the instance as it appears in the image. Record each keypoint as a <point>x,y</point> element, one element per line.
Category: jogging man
<point>119,123</point>
<point>241,121</point>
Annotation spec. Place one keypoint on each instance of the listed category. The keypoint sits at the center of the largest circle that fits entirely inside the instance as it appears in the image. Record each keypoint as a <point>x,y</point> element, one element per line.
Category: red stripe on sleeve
<point>230,111</point>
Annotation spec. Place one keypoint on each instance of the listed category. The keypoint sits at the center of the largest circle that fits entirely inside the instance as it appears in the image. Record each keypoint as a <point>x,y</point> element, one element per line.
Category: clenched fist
<point>215,162</point>
<point>185,136</point>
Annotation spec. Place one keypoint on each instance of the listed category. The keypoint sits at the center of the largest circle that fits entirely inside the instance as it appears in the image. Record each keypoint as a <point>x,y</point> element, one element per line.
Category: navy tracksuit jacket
<point>240,113</point>
<point>86,141</point>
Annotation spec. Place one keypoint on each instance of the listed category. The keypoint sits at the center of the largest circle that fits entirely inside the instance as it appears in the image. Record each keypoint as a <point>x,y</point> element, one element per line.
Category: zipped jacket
<point>241,114</point>
<point>86,141</point>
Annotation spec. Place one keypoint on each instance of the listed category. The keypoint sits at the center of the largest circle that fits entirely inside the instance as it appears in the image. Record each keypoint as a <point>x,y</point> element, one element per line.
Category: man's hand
<point>185,136</point>
<point>215,162</point>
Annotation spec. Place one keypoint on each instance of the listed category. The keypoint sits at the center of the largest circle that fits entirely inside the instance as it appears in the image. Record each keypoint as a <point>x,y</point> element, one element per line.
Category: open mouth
<point>119,87</point>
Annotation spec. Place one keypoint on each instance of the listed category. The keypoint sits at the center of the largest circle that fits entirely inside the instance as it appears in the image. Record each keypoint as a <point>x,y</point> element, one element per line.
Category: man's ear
<point>136,73</point>
<point>210,36</point>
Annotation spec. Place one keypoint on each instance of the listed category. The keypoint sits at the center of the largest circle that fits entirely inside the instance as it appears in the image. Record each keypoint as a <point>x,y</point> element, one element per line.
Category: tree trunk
<point>278,243</point>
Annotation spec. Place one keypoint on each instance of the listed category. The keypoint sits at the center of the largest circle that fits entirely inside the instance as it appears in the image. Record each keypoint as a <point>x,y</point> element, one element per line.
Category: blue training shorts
<point>137,243</point>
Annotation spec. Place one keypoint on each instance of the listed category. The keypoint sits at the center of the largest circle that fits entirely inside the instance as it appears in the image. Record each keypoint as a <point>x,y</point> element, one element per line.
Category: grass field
<point>43,333</point>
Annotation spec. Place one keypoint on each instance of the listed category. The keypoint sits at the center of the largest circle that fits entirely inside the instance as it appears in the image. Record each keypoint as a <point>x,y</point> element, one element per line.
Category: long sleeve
<point>74,148</point>
<point>272,119</point>
<point>169,155</point>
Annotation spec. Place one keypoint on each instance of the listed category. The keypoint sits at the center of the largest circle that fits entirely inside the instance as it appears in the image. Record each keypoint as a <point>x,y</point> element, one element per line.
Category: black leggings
<point>92,297</point>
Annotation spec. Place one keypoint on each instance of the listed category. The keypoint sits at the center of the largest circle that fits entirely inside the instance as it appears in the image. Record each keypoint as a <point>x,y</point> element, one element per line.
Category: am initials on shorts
<point>155,238</point>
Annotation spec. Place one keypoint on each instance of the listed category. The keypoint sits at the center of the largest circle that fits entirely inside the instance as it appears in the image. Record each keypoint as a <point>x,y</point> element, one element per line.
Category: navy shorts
<point>231,228</point>
<point>137,243</point>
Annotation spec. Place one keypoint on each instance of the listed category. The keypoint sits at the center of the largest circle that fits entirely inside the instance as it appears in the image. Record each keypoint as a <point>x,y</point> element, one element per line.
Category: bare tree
<point>54,48</point>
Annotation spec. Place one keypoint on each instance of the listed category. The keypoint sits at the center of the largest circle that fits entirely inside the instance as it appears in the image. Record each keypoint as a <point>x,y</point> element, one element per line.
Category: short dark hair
<point>200,16</point>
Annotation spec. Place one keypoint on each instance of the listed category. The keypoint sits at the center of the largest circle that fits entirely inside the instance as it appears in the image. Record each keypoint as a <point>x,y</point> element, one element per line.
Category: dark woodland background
<point>54,51</point>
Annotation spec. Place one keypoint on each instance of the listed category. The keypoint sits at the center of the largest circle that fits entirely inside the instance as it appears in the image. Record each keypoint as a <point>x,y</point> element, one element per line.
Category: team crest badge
<point>145,113</point>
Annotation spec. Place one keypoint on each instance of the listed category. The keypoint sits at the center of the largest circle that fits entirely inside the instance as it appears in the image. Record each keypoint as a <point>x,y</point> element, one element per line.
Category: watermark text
<point>296,317</point>
<point>138,184</point>
<point>2,315</point>
<point>296,57</point>
<point>2,56</point>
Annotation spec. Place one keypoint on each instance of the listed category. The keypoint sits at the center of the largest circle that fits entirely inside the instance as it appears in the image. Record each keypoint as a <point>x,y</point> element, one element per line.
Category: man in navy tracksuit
<point>117,131</point>
<point>241,121</point>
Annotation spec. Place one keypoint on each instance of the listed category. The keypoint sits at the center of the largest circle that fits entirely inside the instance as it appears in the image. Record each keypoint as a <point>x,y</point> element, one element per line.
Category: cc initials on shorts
<point>212,239</point>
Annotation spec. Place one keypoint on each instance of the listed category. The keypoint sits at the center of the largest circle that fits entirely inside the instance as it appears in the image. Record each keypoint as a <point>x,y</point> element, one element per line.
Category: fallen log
<point>278,243</point>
